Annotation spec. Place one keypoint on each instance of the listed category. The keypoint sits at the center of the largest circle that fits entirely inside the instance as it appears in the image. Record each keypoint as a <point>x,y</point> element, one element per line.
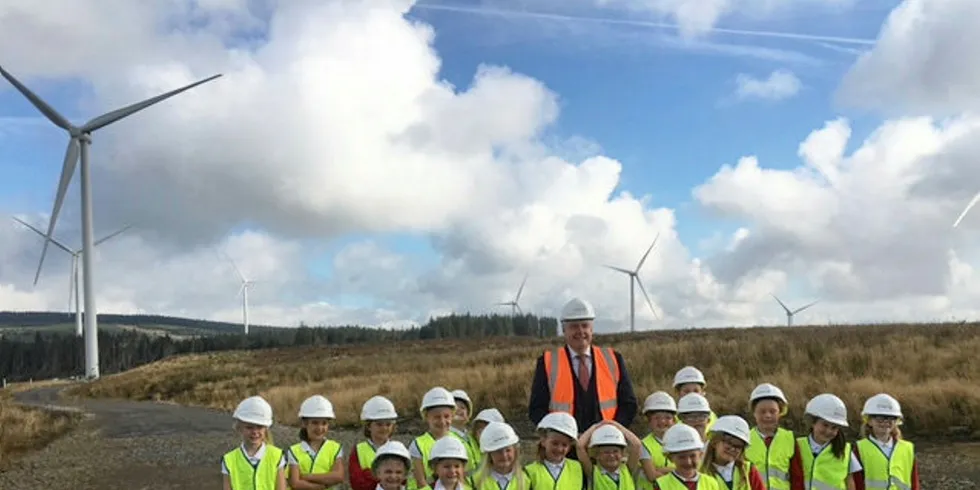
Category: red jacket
<point>360,478</point>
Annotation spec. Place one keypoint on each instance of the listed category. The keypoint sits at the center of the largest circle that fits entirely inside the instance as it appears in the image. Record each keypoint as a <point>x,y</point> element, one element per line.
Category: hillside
<point>933,369</point>
<point>20,324</point>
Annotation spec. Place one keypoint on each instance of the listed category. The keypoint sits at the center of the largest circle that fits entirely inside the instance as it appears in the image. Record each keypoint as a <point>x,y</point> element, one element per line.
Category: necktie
<point>583,372</point>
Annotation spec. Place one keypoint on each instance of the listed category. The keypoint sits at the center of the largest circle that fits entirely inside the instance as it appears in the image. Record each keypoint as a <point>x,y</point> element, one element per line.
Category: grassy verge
<point>24,429</point>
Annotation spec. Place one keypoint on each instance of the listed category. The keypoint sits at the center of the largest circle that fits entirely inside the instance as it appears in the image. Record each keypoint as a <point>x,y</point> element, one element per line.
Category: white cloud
<point>780,85</point>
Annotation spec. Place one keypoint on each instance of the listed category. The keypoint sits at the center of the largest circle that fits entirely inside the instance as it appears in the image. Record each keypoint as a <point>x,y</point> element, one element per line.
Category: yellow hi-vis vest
<point>825,471</point>
<point>365,455</point>
<point>472,450</point>
<point>884,473</point>
<point>738,482</point>
<point>657,457</point>
<point>772,461</point>
<point>571,477</point>
<point>515,483</point>
<point>670,481</point>
<point>244,476</point>
<point>424,443</point>
<point>602,481</point>
<point>321,463</point>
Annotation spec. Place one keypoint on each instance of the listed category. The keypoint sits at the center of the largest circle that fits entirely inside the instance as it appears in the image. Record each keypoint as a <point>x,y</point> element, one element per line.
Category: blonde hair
<point>866,430</point>
<point>708,461</point>
<point>483,472</point>
<point>544,435</point>
<point>267,438</point>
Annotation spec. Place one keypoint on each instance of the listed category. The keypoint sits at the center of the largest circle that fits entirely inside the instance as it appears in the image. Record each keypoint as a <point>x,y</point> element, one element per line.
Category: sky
<point>381,162</point>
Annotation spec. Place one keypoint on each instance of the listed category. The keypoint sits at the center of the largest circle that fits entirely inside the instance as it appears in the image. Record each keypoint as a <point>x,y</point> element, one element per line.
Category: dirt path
<point>126,445</point>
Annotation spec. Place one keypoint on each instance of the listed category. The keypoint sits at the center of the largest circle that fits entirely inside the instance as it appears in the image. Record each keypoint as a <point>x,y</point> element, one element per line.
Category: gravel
<point>144,445</point>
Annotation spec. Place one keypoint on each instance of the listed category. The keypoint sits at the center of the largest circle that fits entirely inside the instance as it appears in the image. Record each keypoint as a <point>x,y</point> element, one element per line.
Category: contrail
<point>640,23</point>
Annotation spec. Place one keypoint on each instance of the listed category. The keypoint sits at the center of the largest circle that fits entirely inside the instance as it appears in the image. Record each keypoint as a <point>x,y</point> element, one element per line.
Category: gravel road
<point>128,445</point>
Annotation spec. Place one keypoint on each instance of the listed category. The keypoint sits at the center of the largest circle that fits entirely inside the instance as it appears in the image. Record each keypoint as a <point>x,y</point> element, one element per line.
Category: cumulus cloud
<point>779,85</point>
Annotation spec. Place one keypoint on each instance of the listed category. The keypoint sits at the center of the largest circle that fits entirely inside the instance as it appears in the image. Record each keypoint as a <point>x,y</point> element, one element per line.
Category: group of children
<point>688,447</point>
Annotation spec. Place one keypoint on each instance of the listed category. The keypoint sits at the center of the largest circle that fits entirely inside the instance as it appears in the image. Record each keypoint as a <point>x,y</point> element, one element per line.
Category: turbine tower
<point>78,149</point>
<point>514,307</point>
<point>73,281</point>
<point>969,206</point>
<point>635,280</point>
<point>243,292</point>
<point>791,313</point>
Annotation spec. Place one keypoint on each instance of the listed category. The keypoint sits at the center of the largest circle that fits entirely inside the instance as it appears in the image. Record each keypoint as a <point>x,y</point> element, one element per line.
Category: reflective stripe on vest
<point>602,481</point>
<point>671,482</point>
<point>658,459</point>
<point>571,477</point>
<point>321,463</point>
<point>561,380</point>
<point>772,461</point>
<point>244,476</point>
<point>826,471</point>
<point>365,455</point>
<point>424,443</point>
<point>884,473</point>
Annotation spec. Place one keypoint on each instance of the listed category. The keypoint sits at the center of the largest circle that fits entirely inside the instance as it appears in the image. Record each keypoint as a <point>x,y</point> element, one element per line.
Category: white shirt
<point>815,448</point>
<point>439,486</point>
<point>291,458</point>
<point>697,476</point>
<point>886,447</point>
<point>613,475</point>
<point>727,472</point>
<point>254,459</point>
<point>502,479</point>
<point>554,468</point>
<point>459,432</point>
<point>588,361</point>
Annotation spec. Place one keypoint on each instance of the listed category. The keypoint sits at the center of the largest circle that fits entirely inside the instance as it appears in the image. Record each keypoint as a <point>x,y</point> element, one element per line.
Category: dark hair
<point>303,435</point>
<point>838,443</point>
<point>385,457</point>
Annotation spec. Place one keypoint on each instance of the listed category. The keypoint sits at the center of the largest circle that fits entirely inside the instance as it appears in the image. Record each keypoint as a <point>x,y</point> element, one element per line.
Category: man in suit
<point>589,382</point>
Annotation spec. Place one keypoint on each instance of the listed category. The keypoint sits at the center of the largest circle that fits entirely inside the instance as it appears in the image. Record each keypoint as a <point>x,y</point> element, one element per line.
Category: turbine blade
<point>788,312</point>
<point>521,289</point>
<point>519,308</point>
<point>241,290</point>
<point>235,266</point>
<point>41,105</point>
<point>967,209</point>
<point>804,307</point>
<point>110,237</point>
<point>67,171</point>
<point>647,297</point>
<point>111,117</point>
<point>39,232</point>
<point>619,269</point>
<point>644,259</point>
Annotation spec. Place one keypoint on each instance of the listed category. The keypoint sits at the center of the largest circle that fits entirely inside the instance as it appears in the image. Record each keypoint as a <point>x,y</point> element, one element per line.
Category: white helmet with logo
<point>693,403</point>
<point>689,374</point>
<point>437,397</point>
<point>682,438</point>
<point>561,422</point>
<point>496,436</point>
<point>767,390</point>
<point>828,407</point>
<point>577,309</point>
<point>316,407</point>
<point>378,408</point>
<point>462,396</point>
<point>607,435</point>
<point>882,404</point>
<point>734,426</point>
<point>254,410</point>
<point>489,415</point>
<point>392,449</point>
<point>449,447</point>
<point>660,401</point>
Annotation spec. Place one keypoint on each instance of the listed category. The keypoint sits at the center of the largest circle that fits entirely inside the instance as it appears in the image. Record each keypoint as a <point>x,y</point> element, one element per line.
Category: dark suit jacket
<point>586,403</point>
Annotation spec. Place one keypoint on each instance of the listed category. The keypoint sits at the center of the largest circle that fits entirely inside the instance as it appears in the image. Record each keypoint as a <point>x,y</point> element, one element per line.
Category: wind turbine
<point>243,292</point>
<point>973,202</point>
<point>78,149</point>
<point>790,313</point>
<point>635,279</point>
<point>73,281</point>
<point>514,307</point>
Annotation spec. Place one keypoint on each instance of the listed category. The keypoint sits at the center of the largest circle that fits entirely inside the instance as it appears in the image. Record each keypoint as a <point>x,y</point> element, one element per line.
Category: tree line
<point>50,355</point>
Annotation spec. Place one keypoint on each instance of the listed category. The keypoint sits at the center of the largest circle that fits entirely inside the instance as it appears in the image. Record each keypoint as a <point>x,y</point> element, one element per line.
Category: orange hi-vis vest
<point>561,380</point>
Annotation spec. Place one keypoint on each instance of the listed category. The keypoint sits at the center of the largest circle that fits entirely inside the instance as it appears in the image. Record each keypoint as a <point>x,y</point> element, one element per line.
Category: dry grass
<point>23,429</point>
<point>933,369</point>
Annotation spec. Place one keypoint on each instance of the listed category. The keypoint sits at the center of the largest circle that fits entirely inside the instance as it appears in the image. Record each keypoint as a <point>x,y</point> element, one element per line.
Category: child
<point>501,467</point>
<point>378,414</point>
<point>771,447</point>
<point>461,419</point>
<point>824,459</point>
<point>690,379</point>
<point>660,410</point>
<point>447,461</point>
<point>608,440</point>
<point>693,409</point>
<point>685,448</point>
<point>256,464</point>
<point>437,409</point>
<point>481,420</point>
<point>724,458</point>
<point>886,458</point>
<point>390,466</point>
<point>316,462</point>
<point>552,470</point>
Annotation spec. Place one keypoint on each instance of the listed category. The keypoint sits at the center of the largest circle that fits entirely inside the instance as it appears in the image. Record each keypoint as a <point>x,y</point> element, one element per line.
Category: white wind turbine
<point>77,152</point>
<point>514,306</point>
<point>791,313</point>
<point>969,206</point>
<point>243,292</point>
<point>635,280</point>
<point>73,290</point>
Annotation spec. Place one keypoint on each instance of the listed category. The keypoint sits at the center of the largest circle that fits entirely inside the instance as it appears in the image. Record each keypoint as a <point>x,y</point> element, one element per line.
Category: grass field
<point>24,429</point>
<point>934,370</point>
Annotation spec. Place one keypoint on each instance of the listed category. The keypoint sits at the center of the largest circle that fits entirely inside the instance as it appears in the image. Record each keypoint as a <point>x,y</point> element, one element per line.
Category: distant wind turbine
<point>243,292</point>
<point>791,313</point>
<point>973,202</point>
<point>635,279</point>
<point>514,306</point>
<point>73,290</point>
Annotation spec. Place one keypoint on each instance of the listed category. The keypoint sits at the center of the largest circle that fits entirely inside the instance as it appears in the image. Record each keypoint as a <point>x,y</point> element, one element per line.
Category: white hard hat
<point>681,438</point>
<point>254,410</point>
<point>882,404</point>
<point>693,403</point>
<point>689,374</point>
<point>392,449</point>
<point>659,401</point>
<point>437,397</point>
<point>733,425</point>
<point>449,447</point>
<point>497,435</point>
<point>461,395</point>
<point>316,407</point>
<point>561,422</point>
<point>489,415</point>
<point>767,390</point>
<point>577,309</point>
<point>828,407</point>
<point>378,408</point>
<point>607,435</point>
